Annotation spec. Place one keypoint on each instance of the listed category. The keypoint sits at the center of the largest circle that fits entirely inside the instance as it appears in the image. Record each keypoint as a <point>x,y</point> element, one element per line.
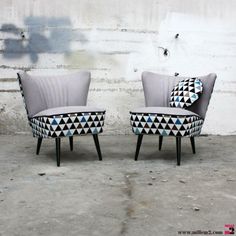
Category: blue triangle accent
<point>68,133</point>
<point>54,122</point>
<point>164,133</point>
<point>83,119</point>
<point>149,120</point>
<point>177,99</point>
<point>136,131</point>
<point>178,122</point>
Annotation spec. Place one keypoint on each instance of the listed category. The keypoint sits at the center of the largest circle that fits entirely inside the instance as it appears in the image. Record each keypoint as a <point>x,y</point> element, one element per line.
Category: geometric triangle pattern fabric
<point>186,92</point>
<point>166,125</point>
<point>68,124</point>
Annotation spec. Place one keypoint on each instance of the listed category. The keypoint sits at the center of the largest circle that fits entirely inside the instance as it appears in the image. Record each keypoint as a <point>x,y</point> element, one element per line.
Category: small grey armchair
<point>56,108</point>
<point>158,118</point>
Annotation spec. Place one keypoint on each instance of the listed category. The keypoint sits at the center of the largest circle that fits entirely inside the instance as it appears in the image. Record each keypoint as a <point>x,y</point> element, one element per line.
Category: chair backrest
<point>44,92</point>
<point>157,89</point>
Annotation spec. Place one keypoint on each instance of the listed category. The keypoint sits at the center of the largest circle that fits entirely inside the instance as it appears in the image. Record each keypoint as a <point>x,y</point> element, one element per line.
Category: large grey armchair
<point>56,108</point>
<point>161,119</point>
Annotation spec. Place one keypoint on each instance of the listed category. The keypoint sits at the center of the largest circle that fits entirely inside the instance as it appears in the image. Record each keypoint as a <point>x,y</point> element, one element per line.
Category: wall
<point>116,40</point>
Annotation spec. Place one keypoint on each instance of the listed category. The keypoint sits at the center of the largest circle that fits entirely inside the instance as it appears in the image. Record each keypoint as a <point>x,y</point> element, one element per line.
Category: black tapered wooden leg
<point>160,142</point>
<point>39,145</point>
<point>71,142</point>
<point>193,144</point>
<point>178,150</point>
<point>58,150</point>
<point>139,142</point>
<point>96,141</point>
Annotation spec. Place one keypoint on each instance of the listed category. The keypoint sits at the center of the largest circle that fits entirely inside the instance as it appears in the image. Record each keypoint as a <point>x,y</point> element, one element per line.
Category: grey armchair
<point>158,118</point>
<point>56,108</point>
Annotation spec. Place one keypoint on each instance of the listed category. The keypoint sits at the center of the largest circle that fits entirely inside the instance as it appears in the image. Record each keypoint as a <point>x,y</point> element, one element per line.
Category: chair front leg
<point>58,150</point>
<point>160,142</point>
<point>71,142</point>
<point>139,142</point>
<point>178,150</point>
<point>39,145</point>
<point>96,141</point>
<point>193,144</point>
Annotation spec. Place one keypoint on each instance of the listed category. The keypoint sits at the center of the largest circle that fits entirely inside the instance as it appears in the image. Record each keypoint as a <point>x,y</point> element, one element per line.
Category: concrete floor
<point>117,196</point>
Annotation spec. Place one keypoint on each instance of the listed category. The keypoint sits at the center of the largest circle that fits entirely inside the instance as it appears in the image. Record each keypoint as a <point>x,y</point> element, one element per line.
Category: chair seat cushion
<point>67,121</point>
<point>165,121</point>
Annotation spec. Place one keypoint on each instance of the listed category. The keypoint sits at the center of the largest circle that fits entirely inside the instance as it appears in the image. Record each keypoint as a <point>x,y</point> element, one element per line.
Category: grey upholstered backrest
<point>44,92</point>
<point>157,89</point>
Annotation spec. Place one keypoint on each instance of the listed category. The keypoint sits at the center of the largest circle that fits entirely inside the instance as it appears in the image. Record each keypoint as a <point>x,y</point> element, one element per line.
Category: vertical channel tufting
<point>44,92</point>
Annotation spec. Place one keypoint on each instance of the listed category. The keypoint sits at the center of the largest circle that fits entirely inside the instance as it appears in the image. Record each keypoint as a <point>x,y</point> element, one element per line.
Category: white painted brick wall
<point>117,40</point>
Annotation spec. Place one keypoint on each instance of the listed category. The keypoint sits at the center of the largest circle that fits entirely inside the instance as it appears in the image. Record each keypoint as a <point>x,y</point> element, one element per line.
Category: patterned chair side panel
<point>68,124</point>
<point>166,124</point>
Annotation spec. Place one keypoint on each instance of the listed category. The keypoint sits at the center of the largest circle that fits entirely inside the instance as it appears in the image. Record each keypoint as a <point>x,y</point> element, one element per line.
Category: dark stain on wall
<point>40,35</point>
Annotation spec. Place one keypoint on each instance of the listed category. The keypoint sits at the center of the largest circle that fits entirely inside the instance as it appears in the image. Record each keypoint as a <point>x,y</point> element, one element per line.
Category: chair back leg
<point>58,151</point>
<point>96,141</point>
<point>39,145</point>
<point>139,142</point>
<point>178,150</point>
<point>71,142</point>
<point>160,142</point>
<point>193,144</point>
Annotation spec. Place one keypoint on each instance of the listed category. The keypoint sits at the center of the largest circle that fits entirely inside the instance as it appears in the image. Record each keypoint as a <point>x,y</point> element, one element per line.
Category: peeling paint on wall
<point>40,35</point>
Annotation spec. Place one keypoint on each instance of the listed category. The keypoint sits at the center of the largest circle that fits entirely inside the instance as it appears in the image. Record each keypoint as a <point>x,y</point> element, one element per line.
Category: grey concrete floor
<point>117,196</point>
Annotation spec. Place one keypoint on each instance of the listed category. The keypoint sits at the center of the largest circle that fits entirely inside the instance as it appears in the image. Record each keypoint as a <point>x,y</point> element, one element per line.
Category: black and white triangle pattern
<point>186,92</point>
<point>68,124</point>
<point>146,123</point>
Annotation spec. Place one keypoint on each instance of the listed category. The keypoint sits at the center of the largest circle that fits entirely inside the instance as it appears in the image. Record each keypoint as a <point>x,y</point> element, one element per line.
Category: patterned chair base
<point>66,122</point>
<point>165,121</point>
